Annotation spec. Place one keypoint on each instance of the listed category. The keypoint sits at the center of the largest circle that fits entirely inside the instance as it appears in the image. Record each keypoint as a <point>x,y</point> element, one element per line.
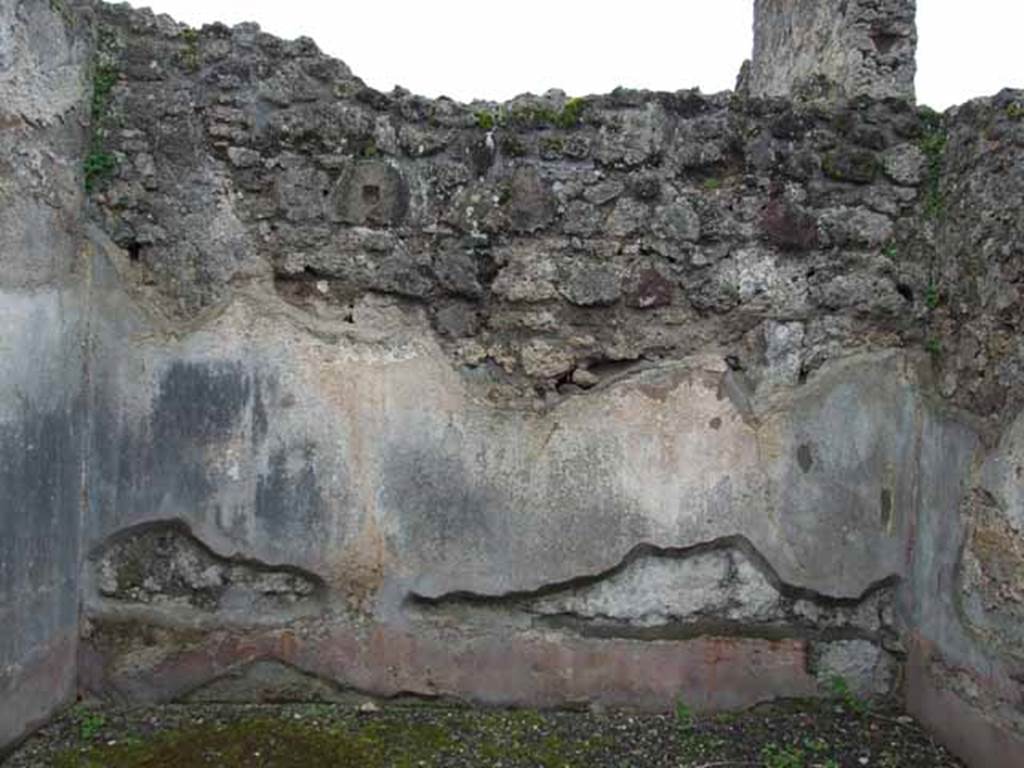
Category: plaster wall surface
<point>42,86</point>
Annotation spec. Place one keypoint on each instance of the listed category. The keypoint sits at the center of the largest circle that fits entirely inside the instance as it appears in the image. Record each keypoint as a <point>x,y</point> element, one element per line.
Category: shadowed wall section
<point>43,89</point>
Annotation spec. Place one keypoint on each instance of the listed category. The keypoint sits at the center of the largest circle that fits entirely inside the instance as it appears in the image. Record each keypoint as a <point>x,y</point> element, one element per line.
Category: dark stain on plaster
<point>161,463</point>
<point>440,505</point>
<point>451,508</point>
<point>260,424</point>
<point>804,457</point>
<point>885,505</point>
<point>40,482</point>
<point>200,401</point>
<point>289,500</point>
<point>199,405</point>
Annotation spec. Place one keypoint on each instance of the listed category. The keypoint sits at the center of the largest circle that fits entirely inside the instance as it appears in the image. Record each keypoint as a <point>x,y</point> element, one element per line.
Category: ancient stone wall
<point>834,49</point>
<point>611,400</point>
<point>494,373</point>
<point>967,652</point>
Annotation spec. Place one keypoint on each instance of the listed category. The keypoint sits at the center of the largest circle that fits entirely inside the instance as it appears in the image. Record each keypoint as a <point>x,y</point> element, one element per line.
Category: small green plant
<point>712,184</point>
<point>485,120</point>
<point>775,756</point>
<point>689,739</point>
<point>571,114</point>
<point>933,144</point>
<point>684,716</point>
<point>1015,111</point>
<point>890,252</point>
<point>97,166</point>
<point>190,55</point>
<point>317,711</point>
<point>932,297</point>
<point>842,691</point>
<point>817,745</point>
<point>103,81</point>
<point>934,347</point>
<point>90,725</point>
<point>840,688</point>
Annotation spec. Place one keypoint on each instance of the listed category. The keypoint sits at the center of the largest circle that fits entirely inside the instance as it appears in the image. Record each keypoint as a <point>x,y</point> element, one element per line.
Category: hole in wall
<point>885,42</point>
<point>371,193</point>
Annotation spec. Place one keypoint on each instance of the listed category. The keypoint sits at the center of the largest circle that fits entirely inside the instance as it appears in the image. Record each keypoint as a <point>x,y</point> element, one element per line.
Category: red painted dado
<point>29,693</point>
<point>708,673</point>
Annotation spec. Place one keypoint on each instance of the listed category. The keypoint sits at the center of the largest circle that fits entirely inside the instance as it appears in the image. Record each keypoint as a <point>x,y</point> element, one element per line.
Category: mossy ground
<point>799,735</point>
<point>266,741</point>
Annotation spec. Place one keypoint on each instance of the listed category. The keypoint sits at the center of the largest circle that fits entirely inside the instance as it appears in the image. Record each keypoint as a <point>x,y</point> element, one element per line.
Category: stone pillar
<point>833,49</point>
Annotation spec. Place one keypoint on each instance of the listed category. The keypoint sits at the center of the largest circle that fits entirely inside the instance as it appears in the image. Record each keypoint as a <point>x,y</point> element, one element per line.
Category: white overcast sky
<point>470,49</point>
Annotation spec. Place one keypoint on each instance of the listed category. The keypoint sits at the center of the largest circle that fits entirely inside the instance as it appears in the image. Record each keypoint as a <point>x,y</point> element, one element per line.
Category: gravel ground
<point>793,735</point>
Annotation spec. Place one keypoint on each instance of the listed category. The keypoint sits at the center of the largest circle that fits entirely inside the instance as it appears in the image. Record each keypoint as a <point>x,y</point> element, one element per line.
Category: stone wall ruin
<point>319,391</point>
<point>834,49</point>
